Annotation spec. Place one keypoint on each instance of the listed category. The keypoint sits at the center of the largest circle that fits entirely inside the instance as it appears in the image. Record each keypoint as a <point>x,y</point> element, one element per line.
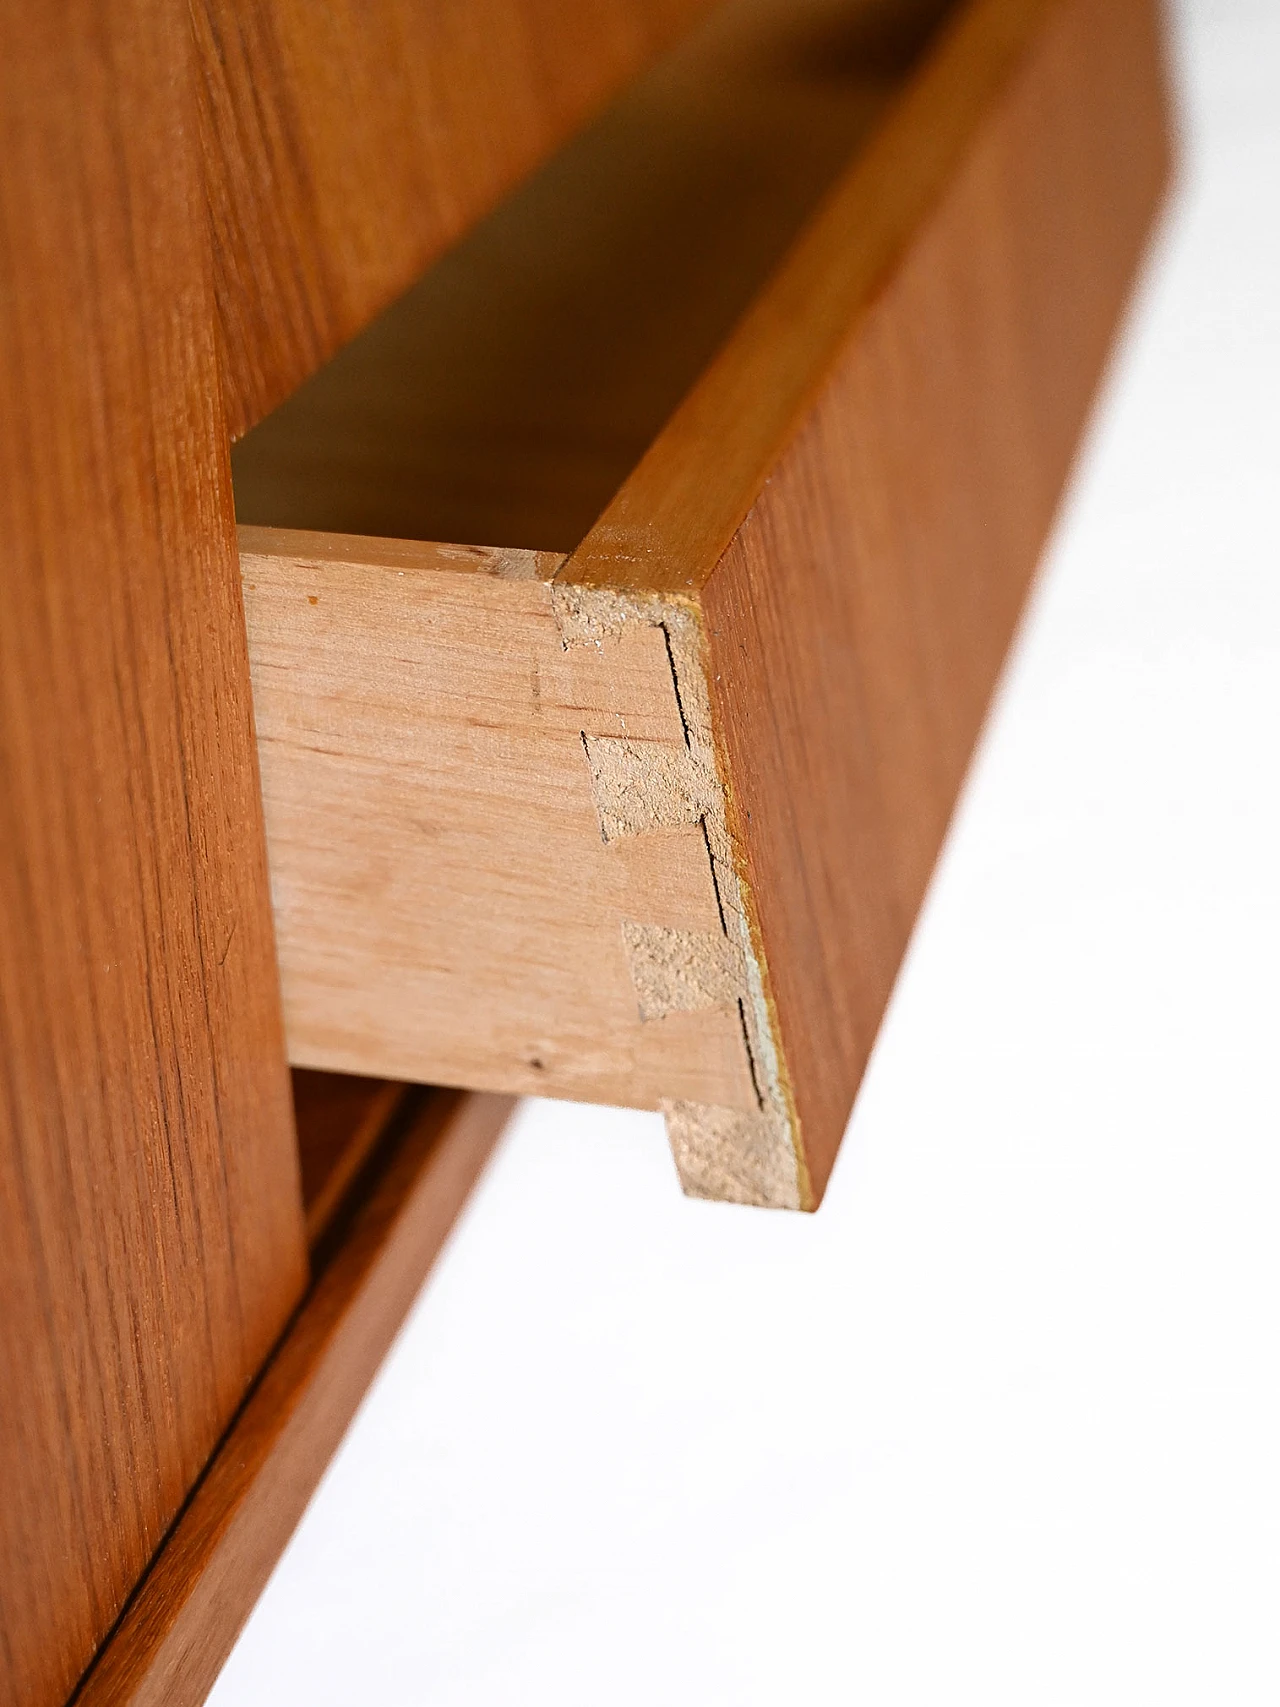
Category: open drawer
<point>743,425</point>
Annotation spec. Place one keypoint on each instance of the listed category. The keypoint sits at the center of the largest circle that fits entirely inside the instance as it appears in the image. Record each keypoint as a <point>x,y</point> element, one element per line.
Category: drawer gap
<point>623,606</point>
<point>340,1119</point>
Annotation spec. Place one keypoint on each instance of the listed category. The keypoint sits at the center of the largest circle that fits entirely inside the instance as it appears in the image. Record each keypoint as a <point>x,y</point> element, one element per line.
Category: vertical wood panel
<point>181,1625</point>
<point>859,619</point>
<point>153,1241</point>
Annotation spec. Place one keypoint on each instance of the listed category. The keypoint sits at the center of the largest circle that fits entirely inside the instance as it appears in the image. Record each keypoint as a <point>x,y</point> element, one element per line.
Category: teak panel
<point>152,1237</point>
<point>829,539</point>
<point>858,621</point>
<point>348,144</point>
<point>182,1624</point>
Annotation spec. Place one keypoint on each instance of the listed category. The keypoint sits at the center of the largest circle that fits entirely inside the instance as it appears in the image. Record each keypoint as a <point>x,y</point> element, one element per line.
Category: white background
<point>1002,1423</point>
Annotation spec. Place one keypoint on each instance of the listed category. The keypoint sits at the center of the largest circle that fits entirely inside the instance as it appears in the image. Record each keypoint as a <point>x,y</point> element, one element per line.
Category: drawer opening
<point>505,398</point>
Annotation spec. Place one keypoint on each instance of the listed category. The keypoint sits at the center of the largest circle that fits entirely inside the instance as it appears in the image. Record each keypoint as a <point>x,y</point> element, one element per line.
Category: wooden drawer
<point>744,423</point>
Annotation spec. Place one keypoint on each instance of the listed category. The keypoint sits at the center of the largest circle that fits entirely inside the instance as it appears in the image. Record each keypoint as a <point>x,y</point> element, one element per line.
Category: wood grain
<point>506,397</point>
<point>453,882</point>
<point>820,349</point>
<point>183,1622</point>
<point>670,522</point>
<point>348,145</point>
<point>153,1242</point>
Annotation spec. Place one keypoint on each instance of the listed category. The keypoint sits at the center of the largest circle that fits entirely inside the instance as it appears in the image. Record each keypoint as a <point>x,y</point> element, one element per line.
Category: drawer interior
<point>506,397</point>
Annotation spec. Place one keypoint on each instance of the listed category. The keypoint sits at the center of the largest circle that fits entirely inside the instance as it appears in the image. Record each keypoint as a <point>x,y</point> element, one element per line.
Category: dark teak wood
<point>181,1625</point>
<point>197,204</point>
<point>340,1118</point>
<point>152,1240</point>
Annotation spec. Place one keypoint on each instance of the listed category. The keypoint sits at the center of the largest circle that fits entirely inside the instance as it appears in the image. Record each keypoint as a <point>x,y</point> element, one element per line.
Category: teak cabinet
<point>648,417</point>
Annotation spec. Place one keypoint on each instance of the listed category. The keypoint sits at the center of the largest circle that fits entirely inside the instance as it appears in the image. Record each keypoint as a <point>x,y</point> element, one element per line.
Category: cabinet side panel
<point>152,1235</point>
<point>859,619</point>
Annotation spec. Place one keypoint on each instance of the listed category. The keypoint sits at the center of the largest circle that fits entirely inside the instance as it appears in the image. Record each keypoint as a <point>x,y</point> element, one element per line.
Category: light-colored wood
<point>183,1621</point>
<point>487,771</point>
<point>452,883</point>
<point>151,1239</point>
<point>347,145</point>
